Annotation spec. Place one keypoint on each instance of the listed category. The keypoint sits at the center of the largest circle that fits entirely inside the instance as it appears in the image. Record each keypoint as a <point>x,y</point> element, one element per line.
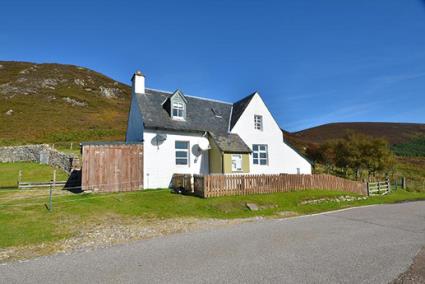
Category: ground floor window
<point>182,153</point>
<point>260,154</point>
<point>236,163</point>
<point>298,171</point>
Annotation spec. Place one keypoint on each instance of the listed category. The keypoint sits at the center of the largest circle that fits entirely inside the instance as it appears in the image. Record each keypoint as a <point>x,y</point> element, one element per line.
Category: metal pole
<point>50,198</point>
<point>53,184</point>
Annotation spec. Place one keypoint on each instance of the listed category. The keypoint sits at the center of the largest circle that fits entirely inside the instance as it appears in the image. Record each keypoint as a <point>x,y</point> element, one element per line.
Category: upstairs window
<point>258,122</point>
<point>178,110</point>
<point>260,154</point>
<point>182,153</point>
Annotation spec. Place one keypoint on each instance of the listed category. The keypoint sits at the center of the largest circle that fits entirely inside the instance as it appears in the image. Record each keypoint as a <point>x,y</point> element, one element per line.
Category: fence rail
<point>33,184</point>
<point>378,188</point>
<point>224,185</point>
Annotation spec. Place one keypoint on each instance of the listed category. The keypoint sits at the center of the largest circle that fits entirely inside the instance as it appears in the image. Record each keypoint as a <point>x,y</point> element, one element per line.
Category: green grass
<point>25,221</point>
<point>30,172</point>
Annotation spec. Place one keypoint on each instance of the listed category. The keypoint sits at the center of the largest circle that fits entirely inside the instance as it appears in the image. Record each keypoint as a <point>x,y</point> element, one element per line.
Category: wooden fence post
<point>19,178</point>
<point>368,193</point>
<point>403,183</point>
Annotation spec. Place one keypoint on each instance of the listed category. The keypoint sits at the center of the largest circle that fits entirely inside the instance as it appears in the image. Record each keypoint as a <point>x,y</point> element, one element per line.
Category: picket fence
<point>225,185</point>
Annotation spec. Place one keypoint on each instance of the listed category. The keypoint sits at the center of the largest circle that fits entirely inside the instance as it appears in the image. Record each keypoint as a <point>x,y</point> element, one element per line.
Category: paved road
<point>362,245</point>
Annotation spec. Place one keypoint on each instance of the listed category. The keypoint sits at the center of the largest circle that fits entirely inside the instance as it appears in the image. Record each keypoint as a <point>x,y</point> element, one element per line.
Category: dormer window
<point>178,111</point>
<point>175,105</point>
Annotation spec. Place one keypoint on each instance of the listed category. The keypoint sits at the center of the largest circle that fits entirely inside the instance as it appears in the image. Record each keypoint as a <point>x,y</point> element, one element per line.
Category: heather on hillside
<point>414,148</point>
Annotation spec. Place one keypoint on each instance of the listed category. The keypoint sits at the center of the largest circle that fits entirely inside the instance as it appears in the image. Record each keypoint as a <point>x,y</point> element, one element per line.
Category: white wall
<point>159,161</point>
<point>282,158</point>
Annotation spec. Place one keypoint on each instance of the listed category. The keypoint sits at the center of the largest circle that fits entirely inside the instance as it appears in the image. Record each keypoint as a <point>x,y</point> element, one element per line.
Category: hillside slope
<point>394,133</point>
<point>57,102</point>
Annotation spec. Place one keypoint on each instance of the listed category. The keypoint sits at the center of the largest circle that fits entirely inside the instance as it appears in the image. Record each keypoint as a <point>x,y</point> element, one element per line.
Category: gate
<point>378,188</point>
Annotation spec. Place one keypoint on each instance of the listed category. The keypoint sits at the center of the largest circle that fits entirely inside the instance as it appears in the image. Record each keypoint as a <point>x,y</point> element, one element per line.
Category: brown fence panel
<point>112,167</point>
<point>225,185</point>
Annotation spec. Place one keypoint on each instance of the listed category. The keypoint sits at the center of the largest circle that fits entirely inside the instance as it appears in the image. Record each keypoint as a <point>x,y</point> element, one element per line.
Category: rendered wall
<point>215,159</point>
<point>135,122</point>
<point>282,158</point>
<point>159,160</point>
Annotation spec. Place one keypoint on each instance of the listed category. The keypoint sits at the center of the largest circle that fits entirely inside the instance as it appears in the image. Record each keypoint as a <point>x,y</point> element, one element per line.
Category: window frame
<point>234,169</point>
<point>257,160</point>
<point>180,108</point>
<point>182,150</point>
<point>258,122</point>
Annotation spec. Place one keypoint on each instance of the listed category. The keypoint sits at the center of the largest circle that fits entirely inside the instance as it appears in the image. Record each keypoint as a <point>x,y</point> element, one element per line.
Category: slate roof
<point>238,108</point>
<point>201,114</point>
<point>230,143</point>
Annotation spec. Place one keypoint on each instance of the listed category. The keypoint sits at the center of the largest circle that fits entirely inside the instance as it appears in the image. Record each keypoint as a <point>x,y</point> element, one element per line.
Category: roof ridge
<point>207,99</point>
<point>158,90</point>
<point>195,97</point>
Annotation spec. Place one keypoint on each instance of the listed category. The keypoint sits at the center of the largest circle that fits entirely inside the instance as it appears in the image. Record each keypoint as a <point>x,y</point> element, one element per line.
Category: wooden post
<point>403,183</point>
<point>19,178</point>
<point>389,185</point>
<point>368,193</point>
<point>54,178</point>
<point>71,146</point>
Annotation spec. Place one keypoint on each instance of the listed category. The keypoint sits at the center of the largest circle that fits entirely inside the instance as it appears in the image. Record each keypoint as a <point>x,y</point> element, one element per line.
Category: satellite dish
<point>158,139</point>
<point>204,144</point>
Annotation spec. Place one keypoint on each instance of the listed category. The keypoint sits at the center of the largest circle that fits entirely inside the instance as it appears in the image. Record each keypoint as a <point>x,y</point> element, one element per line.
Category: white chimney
<point>138,81</point>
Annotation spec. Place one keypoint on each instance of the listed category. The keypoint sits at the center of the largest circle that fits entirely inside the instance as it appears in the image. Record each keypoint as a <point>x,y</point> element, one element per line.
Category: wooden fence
<point>112,167</point>
<point>224,185</point>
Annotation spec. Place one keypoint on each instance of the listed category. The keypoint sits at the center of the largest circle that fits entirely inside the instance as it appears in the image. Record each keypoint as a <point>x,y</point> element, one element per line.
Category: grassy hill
<point>57,102</point>
<point>394,133</point>
<point>407,139</point>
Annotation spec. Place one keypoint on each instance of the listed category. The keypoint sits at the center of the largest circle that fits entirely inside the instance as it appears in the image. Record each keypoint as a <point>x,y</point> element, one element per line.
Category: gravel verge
<point>416,272</point>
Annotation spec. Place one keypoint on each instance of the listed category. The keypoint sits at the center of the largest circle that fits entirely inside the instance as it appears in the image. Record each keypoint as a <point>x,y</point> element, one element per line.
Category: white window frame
<point>180,110</point>
<point>258,122</point>
<point>235,167</point>
<point>181,150</point>
<point>257,151</point>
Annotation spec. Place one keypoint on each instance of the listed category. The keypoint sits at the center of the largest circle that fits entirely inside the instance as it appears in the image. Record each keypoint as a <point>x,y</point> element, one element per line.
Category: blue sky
<point>313,62</point>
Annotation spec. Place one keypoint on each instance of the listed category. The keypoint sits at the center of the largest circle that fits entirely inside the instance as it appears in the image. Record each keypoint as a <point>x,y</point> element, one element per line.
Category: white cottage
<point>186,134</point>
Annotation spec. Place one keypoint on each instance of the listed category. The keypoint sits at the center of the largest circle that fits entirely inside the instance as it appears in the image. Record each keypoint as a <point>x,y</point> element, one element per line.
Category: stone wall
<point>41,153</point>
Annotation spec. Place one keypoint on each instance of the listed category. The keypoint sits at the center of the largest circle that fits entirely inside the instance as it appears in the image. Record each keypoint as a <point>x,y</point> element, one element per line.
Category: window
<point>182,153</point>
<point>298,171</point>
<point>260,154</point>
<point>258,122</point>
<point>236,163</point>
<point>178,110</point>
